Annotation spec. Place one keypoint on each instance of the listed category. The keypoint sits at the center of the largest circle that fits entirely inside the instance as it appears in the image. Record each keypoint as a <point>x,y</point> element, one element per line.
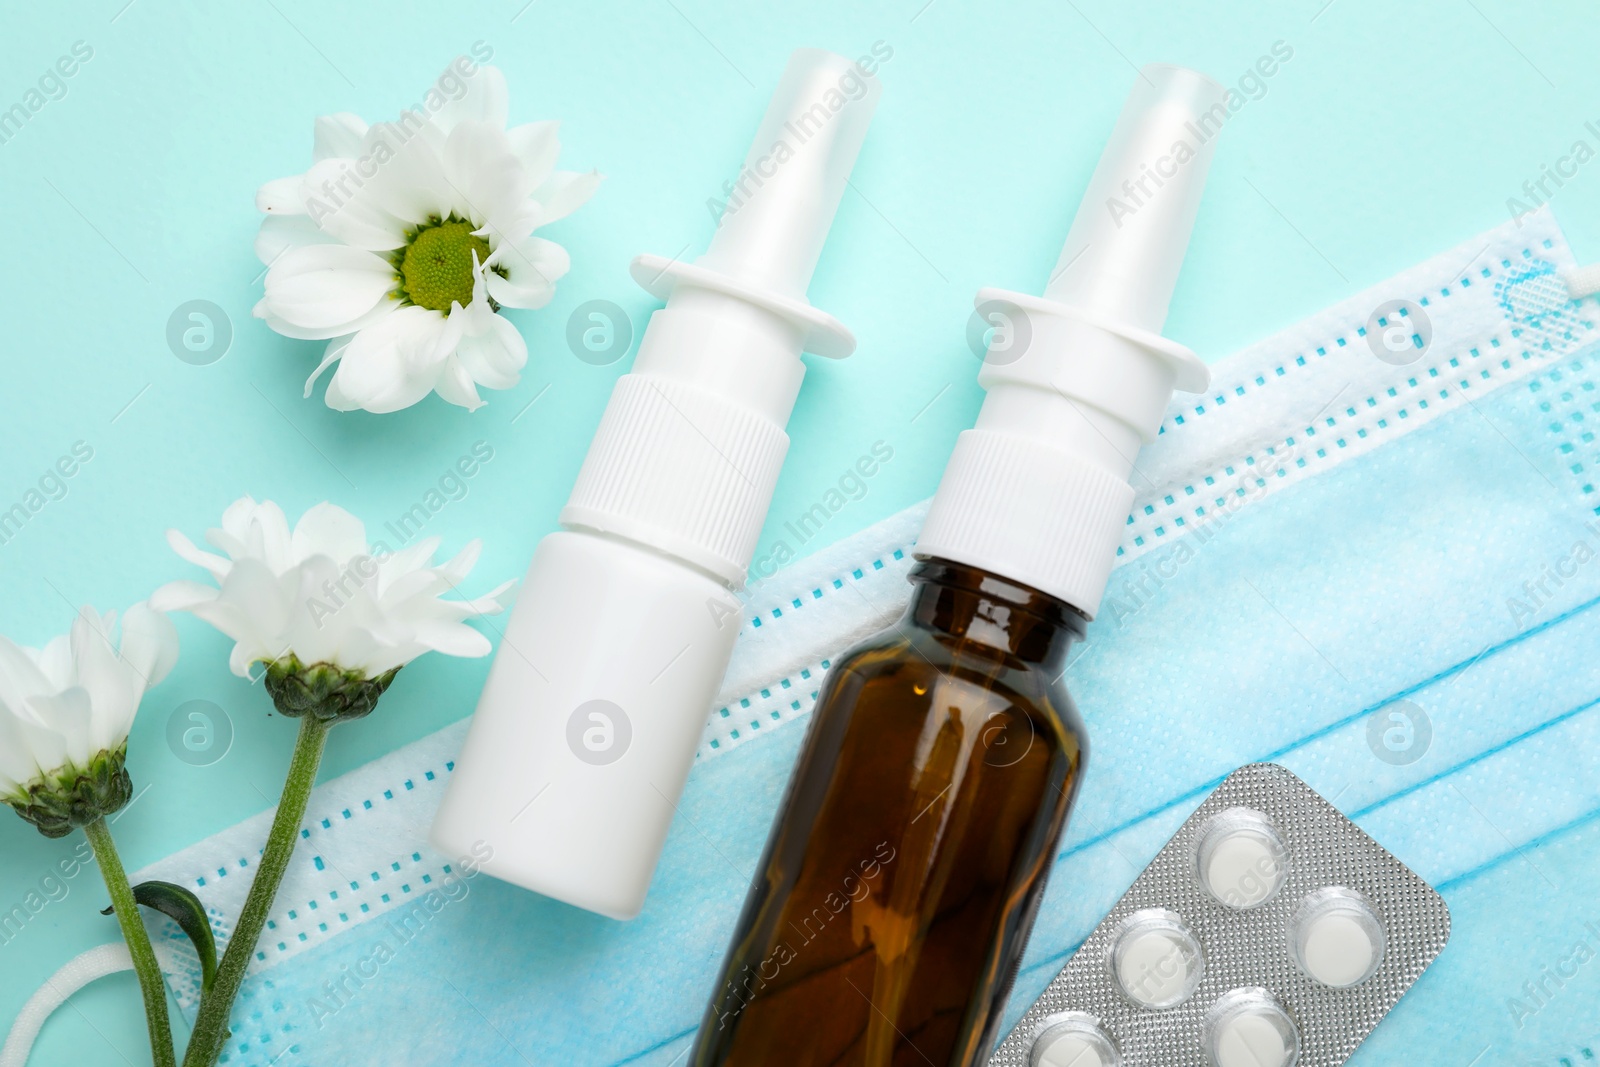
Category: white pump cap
<point>1038,490</point>
<point>689,450</point>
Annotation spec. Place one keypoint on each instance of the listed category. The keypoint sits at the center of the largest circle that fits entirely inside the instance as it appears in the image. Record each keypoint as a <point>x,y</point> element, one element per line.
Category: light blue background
<point>1391,134</point>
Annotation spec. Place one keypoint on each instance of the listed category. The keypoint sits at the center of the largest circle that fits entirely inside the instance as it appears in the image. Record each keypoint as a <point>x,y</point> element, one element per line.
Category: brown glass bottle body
<point>909,855</point>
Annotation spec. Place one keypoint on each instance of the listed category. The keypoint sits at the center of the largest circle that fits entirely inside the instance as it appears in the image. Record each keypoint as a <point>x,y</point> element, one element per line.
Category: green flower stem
<point>138,939</point>
<point>211,1022</point>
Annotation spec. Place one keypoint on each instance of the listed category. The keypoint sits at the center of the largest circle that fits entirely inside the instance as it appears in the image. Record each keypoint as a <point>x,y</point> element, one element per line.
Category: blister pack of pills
<point>1270,931</point>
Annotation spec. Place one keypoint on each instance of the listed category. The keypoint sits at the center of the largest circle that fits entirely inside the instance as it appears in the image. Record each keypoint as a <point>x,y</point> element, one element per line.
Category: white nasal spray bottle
<point>623,629</point>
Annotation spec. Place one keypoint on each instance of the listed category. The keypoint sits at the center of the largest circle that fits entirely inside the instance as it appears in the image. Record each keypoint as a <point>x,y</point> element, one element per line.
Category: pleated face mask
<point>1369,554</point>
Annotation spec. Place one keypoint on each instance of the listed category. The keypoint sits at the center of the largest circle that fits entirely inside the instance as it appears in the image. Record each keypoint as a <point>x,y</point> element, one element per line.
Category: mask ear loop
<point>88,967</point>
<point>1582,281</point>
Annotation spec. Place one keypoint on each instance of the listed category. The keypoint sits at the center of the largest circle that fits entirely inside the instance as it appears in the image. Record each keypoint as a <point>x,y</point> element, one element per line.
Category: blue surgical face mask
<point>1371,554</point>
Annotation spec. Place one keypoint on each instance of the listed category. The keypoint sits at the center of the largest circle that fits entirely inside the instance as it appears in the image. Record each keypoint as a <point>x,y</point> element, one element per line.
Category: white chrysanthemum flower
<point>65,713</point>
<point>331,616</point>
<point>404,240</point>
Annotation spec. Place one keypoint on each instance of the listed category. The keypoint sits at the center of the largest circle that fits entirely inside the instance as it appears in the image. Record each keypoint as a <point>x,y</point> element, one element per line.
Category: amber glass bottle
<point>909,857</point>
<point>910,853</point>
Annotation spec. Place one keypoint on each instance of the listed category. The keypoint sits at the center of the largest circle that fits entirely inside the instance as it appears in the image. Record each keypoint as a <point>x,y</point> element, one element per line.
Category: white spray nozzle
<point>1094,338</point>
<point>776,212</point>
<point>1122,255</point>
<point>782,202</point>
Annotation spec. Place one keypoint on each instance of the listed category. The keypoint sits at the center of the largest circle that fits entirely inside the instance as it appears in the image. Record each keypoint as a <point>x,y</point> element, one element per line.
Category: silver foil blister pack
<point>1270,931</point>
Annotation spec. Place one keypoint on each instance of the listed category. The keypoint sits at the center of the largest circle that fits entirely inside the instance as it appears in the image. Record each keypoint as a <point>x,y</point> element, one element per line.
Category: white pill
<point>1249,1028</point>
<point>1250,1041</point>
<point>1068,1050</point>
<point>1338,938</point>
<point>1072,1039</point>
<point>1156,960</point>
<point>1241,859</point>
<point>1337,950</point>
<point>1243,870</point>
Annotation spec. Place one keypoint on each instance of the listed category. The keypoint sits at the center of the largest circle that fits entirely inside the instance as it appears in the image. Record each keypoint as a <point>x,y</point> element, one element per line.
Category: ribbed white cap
<point>683,470</point>
<point>689,450</point>
<point>1038,490</point>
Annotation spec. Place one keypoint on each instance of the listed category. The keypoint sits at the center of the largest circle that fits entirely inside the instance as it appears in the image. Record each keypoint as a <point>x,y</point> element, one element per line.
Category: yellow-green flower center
<point>436,267</point>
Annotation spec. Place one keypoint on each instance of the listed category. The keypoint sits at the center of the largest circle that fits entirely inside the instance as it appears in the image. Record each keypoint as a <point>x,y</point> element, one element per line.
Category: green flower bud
<point>324,691</point>
<point>63,800</point>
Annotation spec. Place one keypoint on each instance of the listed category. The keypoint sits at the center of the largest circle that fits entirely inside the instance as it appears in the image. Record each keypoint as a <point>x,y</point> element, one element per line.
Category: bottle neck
<point>990,612</point>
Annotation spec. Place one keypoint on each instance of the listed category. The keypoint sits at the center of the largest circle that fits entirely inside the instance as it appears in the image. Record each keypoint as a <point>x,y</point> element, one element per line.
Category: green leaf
<point>185,909</point>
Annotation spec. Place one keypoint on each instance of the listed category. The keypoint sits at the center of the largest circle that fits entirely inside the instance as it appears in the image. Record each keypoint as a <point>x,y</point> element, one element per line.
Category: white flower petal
<point>408,179</point>
<point>492,602</point>
<point>193,553</point>
<point>337,399</point>
<point>252,606</point>
<point>327,286</point>
<point>319,612</point>
<point>55,660</point>
<point>565,192</point>
<point>454,639</point>
<point>337,201</point>
<point>236,521</point>
<point>51,748</point>
<point>61,707</point>
<point>337,603</point>
<point>495,358</point>
<point>330,356</point>
<point>85,722</point>
<point>537,145</point>
<point>329,530</point>
<point>396,565</point>
<point>182,595</point>
<point>491,187</point>
<point>104,677</point>
<point>532,267</point>
<point>20,673</point>
<point>243,657</point>
<point>455,385</point>
<point>149,643</point>
<point>255,531</point>
<point>486,100</point>
<point>280,233</point>
<point>324,333</point>
<point>460,565</point>
<point>419,343</point>
<point>381,369</point>
<point>531,291</point>
<point>17,764</point>
<point>362,650</point>
<point>409,586</point>
<point>455,326</point>
<point>281,196</point>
